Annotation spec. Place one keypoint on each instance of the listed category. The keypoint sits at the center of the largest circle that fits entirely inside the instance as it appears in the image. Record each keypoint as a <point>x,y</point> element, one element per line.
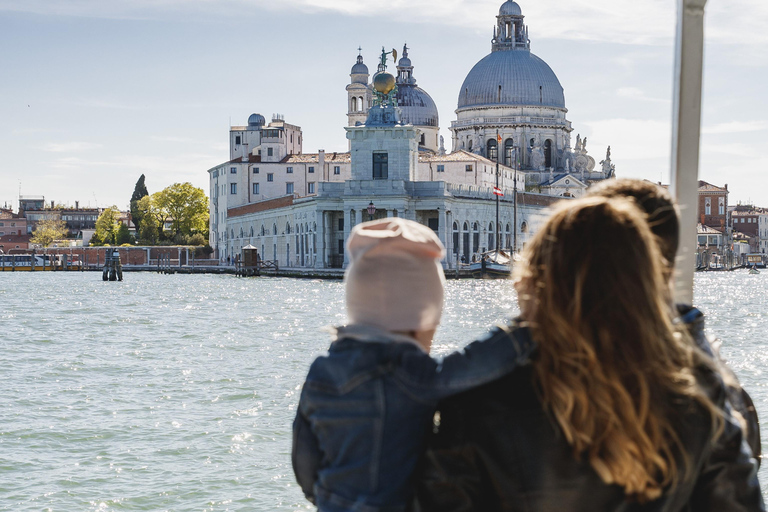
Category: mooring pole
<point>686,132</point>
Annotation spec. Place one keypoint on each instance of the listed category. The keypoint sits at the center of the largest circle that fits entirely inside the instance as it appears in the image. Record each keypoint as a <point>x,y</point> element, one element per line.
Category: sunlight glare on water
<point>178,392</point>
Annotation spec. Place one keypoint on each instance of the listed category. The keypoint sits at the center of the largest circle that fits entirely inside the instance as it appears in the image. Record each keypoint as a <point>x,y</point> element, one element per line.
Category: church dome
<point>359,69</point>
<point>256,120</point>
<point>510,8</point>
<point>416,106</point>
<point>515,77</point>
<point>404,62</point>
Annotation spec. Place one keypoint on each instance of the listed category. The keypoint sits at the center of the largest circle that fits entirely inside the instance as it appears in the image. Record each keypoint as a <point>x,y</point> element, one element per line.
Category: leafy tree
<point>185,206</point>
<point>107,226</point>
<point>48,231</point>
<point>123,236</point>
<point>148,234</point>
<point>139,191</point>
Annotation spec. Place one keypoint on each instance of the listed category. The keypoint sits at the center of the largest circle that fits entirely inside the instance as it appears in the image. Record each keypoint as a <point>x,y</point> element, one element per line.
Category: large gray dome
<point>511,78</point>
<point>416,106</point>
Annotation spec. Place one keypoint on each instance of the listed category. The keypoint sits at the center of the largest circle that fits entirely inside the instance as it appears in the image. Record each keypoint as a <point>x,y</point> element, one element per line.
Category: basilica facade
<point>298,208</point>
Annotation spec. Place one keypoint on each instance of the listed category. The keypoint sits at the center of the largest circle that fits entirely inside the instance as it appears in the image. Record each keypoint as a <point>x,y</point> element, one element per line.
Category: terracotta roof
<point>706,230</point>
<point>708,187</point>
<point>15,239</point>
<point>313,158</point>
<point>252,159</point>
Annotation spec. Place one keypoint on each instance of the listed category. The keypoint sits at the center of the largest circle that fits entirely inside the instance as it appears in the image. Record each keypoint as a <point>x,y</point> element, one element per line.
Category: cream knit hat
<point>394,280</point>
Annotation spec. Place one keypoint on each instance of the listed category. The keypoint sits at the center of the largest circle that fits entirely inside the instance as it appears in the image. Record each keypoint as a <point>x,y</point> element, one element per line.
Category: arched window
<point>465,241</point>
<point>262,233</point>
<point>491,149</point>
<point>509,151</point>
<point>274,229</point>
<point>533,142</point>
<point>251,232</point>
<point>524,227</point>
<point>241,232</point>
<point>508,237</point>
<point>455,238</point>
<point>475,237</point>
<point>353,107</point>
<point>469,145</point>
<point>548,153</point>
<point>360,104</point>
<point>491,237</point>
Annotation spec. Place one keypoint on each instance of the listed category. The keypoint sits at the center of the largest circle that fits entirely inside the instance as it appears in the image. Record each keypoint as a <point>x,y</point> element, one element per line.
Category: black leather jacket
<point>495,449</point>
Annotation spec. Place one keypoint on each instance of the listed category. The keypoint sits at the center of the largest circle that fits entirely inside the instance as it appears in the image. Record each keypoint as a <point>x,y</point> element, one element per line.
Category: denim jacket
<point>366,406</point>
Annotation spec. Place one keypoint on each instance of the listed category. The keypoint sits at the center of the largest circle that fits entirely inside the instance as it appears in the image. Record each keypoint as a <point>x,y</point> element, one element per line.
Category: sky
<point>95,93</point>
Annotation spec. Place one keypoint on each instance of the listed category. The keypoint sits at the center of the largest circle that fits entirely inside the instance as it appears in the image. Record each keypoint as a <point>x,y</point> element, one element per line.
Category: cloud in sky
<point>634,93</point>
<point>70,147</point>
<point>622,21</point>
<point>736,127</point>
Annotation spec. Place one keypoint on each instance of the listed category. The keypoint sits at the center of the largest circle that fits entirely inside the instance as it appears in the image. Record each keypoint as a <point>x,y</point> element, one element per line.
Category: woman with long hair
<point>618,411</point>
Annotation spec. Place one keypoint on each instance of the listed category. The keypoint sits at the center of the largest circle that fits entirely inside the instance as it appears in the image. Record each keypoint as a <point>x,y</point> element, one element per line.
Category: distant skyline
<point>96,93</point>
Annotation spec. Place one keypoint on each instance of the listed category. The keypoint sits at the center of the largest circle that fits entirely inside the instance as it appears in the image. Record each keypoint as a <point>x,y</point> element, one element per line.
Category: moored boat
<point>492,265</point>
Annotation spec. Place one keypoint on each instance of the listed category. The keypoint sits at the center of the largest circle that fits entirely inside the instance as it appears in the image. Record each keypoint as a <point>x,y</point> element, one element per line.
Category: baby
<point>366,406</point>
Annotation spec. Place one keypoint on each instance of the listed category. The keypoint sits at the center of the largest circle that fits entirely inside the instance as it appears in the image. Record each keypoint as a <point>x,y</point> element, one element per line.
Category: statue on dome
<point>608,168</point>
<point>577,147</point>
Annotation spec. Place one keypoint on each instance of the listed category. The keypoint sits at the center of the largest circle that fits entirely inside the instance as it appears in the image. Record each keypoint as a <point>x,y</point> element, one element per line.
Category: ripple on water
<point>178,392</point>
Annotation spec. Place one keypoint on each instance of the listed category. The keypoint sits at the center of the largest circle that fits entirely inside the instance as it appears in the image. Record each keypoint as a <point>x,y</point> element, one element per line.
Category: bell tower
<point>358,92</point>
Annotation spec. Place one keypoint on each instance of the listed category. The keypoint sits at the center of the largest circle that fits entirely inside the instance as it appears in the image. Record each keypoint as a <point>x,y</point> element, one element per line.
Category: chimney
<point>52,204</point>
<point>321,163</point>
<point>77,205</point>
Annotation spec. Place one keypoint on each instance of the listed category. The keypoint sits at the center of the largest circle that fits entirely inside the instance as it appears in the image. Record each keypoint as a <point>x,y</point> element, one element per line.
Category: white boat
<point>492,265</point>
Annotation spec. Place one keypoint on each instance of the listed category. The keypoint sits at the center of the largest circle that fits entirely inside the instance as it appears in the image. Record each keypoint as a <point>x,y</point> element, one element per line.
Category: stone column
<point>349,215</point>
<point>447,230</point>
<point>358,216</point>
<point>441,229</point>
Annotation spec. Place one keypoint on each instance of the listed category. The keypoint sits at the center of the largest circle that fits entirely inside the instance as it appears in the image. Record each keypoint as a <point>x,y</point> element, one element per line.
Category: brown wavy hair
<point>611,362</point>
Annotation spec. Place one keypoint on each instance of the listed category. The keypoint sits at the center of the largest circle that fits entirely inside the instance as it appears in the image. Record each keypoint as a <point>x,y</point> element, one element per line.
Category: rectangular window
<point>237,140</point>
<point>341,224</point>
<point>233,170</point>
<point>433,224</point>
<point>311,187</point>
<point>469,168</point>
<point>707,206</point>
<point>721,205</point>
<point>255,188</point>
<point>289,170</point>
<point>440,168</point>
<point>1,224</point>
<point>311,169</point>
<point>270,176</point>
<point>336,169</point>
<point>269,151</point>
<point>255,170</point>
<point>233,188</point>
<point>289,188</point>
<point>380,166</point>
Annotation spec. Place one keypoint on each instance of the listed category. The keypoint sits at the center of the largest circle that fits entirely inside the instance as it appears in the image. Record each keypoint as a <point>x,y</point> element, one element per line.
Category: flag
<point>498,137</point>
<point>497,191</point>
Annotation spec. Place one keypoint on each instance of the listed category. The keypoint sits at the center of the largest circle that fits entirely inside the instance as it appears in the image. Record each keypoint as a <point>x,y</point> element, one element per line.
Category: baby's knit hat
<point>394,280</point>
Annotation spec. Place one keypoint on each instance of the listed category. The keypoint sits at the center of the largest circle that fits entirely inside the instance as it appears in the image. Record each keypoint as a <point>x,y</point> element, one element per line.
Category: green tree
<point>48,231</point>
<point>123,235</point>
<point>148,232</point>
<point>139,191</point>
<point>107,226</point>
<point>185,206</point>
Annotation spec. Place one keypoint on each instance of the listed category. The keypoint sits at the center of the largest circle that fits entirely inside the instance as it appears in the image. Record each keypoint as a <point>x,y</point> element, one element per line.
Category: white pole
<point>686,128</point>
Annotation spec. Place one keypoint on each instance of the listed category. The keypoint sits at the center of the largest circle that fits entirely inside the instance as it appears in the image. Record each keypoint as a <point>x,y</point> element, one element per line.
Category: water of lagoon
<point>178,392</point>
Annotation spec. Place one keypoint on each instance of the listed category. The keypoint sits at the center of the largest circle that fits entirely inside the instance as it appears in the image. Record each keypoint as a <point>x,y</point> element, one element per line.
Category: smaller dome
<point>405,62</point>
<point>359,69</point>
<point>256,120</point>
<point>510,8</point>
